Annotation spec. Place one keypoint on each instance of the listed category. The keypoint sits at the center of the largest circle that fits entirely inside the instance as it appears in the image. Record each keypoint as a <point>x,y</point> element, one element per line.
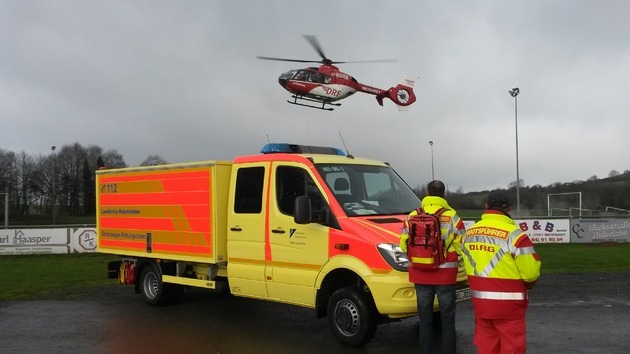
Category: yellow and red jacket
<point>452,229</point>
<point>501,265</point>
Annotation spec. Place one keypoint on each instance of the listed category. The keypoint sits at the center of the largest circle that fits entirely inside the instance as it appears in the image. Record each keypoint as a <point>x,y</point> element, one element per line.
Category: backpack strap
<point>440,211</point>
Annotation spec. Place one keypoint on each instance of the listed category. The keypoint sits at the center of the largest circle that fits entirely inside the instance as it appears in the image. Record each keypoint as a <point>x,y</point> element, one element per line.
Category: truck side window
<point>292,182</point>
<point>249,190</point>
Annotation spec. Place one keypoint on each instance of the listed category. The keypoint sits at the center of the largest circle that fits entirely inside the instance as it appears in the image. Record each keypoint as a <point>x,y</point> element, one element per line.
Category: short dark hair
<point>436,188</point>
<point>498,199</point>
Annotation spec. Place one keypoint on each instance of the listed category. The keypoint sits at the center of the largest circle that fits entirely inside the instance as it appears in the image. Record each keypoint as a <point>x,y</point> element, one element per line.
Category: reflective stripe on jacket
<point>501,264</point>
<point>452,230</point>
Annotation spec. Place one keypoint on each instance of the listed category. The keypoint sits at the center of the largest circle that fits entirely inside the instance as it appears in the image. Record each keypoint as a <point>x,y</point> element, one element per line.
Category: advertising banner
<point>541,230</point>
<point>600,230</point>
<point>546,230</point>
<point>33,241</point>
<point>84,240</point>
<point>47,241</point>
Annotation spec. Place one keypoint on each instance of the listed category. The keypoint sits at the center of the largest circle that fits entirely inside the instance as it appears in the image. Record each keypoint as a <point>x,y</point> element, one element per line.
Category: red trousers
<point>500,336</point>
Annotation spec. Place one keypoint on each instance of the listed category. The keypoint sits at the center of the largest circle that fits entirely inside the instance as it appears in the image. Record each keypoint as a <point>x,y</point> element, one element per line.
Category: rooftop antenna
<point>268,139</point>
<point>344,146</point>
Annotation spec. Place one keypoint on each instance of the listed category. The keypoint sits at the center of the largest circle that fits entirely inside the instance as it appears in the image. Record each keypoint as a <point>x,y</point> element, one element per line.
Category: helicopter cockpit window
<point>319,78</point>
<point>301,76</point>
<point>288,75</point>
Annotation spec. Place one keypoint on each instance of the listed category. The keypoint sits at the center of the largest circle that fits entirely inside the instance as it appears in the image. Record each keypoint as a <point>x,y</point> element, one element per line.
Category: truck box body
<point>175,212</point>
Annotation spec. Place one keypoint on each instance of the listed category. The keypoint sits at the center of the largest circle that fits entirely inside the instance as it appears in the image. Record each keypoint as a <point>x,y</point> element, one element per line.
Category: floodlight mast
<point>432,170</point>
<point>514,92</point>
<point>52,149</point>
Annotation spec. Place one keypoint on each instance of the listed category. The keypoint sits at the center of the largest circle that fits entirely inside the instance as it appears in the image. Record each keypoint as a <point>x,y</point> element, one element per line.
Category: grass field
<point>58,276</point>
<point>586,257</point>
<point>41,277</point>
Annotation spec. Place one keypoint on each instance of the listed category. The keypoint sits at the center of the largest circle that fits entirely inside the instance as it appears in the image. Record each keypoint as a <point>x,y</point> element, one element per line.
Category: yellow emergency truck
<point>302,225</point>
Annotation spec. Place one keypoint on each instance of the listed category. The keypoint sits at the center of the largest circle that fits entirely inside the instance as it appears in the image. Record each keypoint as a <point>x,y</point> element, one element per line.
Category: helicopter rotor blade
<point>366,61</point>
<point>291,60</point>
<point>312,40</point>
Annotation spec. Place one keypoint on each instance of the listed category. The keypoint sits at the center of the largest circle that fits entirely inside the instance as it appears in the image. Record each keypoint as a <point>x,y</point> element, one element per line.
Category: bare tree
<point>152,160</point>
<point>25,173</point>
<point>7,175</point>
<point>420,191</point>
<point>70,170</point>
<point>41,183</point>
<point>7,167</point>
<point>113,159</point>
<point>89,198</point>
<point>513,184</point>
<point>70,165</point>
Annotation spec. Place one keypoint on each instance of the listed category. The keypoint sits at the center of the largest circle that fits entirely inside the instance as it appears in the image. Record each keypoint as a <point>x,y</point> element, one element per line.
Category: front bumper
<point>395,297</point>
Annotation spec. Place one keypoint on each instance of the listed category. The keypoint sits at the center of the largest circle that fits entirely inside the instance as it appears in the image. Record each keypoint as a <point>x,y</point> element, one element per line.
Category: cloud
<point>181,80</point>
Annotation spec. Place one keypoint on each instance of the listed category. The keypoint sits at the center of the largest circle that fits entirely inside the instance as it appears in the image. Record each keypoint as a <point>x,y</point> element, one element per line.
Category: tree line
<point>591,197</point>
<point>63,179</point>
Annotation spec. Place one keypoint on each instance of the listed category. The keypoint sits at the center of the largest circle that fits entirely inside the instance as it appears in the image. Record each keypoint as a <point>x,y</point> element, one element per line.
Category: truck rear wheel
<point>352,317</point>
<point>154,291</point>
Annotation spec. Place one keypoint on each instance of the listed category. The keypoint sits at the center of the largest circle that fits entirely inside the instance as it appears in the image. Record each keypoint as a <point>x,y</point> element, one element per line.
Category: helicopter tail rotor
<point>402,95</point>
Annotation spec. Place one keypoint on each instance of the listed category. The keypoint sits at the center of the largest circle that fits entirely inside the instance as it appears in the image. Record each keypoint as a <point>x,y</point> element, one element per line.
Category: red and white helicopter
<point>326,84</point>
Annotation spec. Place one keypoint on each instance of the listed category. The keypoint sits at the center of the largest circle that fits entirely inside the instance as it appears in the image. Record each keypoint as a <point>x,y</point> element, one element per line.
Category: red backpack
<point>425,247</point>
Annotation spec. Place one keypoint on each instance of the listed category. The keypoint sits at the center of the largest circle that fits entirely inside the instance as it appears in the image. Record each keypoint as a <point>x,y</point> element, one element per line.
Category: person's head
<point>435,188</point>
<point>499,200</point>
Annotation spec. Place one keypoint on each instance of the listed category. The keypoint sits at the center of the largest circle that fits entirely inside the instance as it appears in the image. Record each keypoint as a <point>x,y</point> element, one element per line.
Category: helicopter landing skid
<point>323,107</point>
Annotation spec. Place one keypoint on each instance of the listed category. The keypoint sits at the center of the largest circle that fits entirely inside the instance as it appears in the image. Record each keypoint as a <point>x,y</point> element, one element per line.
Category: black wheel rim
<point>347,318</point>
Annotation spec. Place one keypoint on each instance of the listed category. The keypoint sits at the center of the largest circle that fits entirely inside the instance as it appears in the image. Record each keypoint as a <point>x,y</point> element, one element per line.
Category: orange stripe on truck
<point>175,207</point>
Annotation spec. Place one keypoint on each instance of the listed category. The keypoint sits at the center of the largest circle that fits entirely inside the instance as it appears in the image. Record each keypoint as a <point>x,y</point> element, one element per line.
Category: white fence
<point>576,230</point>
<point>42,241</point>
<point>84,240</point>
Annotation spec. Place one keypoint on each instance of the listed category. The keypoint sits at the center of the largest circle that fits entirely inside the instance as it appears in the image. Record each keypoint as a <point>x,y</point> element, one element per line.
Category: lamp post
<point>514,92</point>
<point>432,170</point>
<point>52,148</point>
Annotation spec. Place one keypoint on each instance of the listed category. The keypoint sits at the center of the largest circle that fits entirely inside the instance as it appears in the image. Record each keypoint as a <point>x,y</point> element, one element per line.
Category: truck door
<point>246,245</point>
<point>297,252</point>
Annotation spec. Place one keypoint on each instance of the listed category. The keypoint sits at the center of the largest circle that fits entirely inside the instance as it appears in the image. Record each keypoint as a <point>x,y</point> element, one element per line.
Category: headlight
<point>394,256</point>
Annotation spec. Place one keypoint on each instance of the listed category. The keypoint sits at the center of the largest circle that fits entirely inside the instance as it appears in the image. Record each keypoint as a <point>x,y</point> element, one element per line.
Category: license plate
<point>463,294</point>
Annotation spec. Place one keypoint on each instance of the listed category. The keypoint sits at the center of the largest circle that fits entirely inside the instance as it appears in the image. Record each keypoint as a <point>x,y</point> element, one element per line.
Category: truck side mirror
<point>302,210</point>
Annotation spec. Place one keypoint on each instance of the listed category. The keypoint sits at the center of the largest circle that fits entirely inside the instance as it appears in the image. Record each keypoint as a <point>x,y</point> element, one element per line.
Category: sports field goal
<point>563,204</point>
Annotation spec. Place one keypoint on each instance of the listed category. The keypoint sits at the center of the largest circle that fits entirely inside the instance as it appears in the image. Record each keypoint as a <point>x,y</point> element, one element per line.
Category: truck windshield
<point>368,190</point>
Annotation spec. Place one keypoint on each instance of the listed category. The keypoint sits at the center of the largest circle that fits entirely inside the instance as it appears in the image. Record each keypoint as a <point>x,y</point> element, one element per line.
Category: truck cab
<point>332,225</point>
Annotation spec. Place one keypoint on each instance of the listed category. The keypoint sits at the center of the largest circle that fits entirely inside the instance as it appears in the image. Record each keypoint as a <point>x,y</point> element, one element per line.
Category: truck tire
<point>352,316</point>
<point>154,291</point>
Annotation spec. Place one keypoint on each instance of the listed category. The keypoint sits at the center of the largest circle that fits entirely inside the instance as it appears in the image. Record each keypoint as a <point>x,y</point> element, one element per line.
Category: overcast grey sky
<point>180,79</point>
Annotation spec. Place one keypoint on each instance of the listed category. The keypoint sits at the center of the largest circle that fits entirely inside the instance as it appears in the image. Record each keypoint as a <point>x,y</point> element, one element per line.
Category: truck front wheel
<point>352,317</point>
<point>154,291</point>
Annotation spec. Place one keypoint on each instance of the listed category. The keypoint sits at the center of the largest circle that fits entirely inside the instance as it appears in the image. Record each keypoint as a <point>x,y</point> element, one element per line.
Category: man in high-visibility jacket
<point>502,265</point>
<point>441,281</point>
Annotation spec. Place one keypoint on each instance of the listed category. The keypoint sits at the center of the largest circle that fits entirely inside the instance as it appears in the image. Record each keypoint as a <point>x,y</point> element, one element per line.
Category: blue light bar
<point>274,148</point>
